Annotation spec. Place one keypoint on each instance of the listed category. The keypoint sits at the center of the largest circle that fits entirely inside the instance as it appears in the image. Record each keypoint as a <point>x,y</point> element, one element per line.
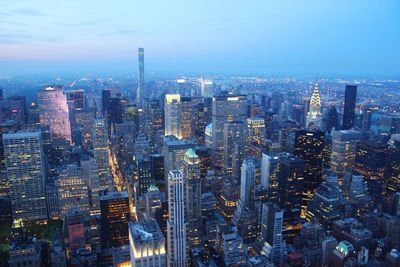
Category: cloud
<point>28,12</point>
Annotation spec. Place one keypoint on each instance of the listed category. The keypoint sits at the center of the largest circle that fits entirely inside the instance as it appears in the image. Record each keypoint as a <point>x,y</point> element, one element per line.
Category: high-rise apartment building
<point>141,83</point>
<point>25,165</point>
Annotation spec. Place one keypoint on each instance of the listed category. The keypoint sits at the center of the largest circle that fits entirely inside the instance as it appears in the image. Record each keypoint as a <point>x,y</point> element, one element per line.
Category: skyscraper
<point>172,115</point>
<point>225,108</point>
<point>247,183</point>
<point>101,153</point>
<point>314,116</point>
<point>309,147</point>
<point>350,97</point>
<point>234,145</point>
<point>72,190</point>
<point>191,172</point>
<point>54,113</point>
<point>206,88</point>
<point>141,84</point>
<point>115,215</point>
<point>271,232</point>
<point>147,244</point>
<point>177,255</point>
<point>343,153</point>
<point>24,160</point>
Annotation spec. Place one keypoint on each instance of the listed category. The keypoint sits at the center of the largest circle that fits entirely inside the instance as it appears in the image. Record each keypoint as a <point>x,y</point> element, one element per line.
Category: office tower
<point>234,137</point>
<point>392,173</point>
<point>147,244</point>
<point>157,167</point>
<point>385,123</point>
<point>85,120</point>
<point>74,231</point>
<point>225,109</point>
<point>271,233</point>
<point>157,207</point>
<point>172,115</point>
<point>141,89</point>
<point>234,252</point>
<point>33,113</point>
<point>324,206</point>
<point>144,178</point>
<point>350,97</point>
<point>198,123</point>
<point>366,118</point>
<point>25,165</point>
<point>72,190</point>
<point>54,113</point>
<point>174,153</point>
<point>206,88</point>
<point>191,172</point>
<point>291,182</point>
<point>14,108</point>
<point>358,191</point>
<point>101,153</point>
<point>246,214</point>
<point>371,161</point>
<point>90,174</point>
<point>186,110</point>
<point>332,119</point>
<point>177,255</point>
<point>105,95</point>
<point>309,147</point>
<point>343,154</point>
<point>269,175</point>
<point>314,116</point>
<point>256,132</point>
<point>115,215</point>
<point>114,110</point>
<point>78,97</point>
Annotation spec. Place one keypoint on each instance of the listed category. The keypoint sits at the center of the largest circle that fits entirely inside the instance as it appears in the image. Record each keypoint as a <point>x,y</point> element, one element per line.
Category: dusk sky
<point>357,37</point>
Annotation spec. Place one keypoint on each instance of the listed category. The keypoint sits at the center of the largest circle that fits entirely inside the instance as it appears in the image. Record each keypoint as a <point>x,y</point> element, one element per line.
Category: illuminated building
<point>157,207</point>
<point>269,174</point>
<point>172,115</point>
<point>191,172</point>
<point>343,153</point>
<point>74,231</point>
<point>182,87</point>
<point>78,97</point>
<point>309,148</point>
<point>85,119</point>
<point>24,158</point>
<point>186,110</point>
<point>274,248</point>
<point>324,206</point>
<point>141,88</point>
<point>14,108</point>
<point>350,97</point>
<point>234,252</point>
<point>246,216</point>
<point>144,177</point>
<point>206,88</point>
<point>342,252</point>
<point>392,174</point>
<point>234,137</point>
<point>33,113</point>
<point>72,190</point>
<point>101,153</point>
<point>115,215</point>
<point>147,244</point>
<point>54,113</point>
<point>314,116</point>
<point>256,132</point>
<point>89,172</point>
<point>208,136</point>
<point>225,109</point>
<point>177,255</point>
<point>174,153</point>
<point>371,160</point>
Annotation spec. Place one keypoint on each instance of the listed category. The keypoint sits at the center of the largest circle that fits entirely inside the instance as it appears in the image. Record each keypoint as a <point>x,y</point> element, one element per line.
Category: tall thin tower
<point>141,85</point>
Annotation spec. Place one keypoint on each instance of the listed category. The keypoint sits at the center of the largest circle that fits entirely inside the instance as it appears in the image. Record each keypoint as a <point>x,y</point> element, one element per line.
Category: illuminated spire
<point>314,116</point>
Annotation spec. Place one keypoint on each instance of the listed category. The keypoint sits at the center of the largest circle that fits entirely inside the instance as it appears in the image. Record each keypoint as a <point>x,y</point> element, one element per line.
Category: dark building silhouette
<point>332,119</point>
<point>350,97</point>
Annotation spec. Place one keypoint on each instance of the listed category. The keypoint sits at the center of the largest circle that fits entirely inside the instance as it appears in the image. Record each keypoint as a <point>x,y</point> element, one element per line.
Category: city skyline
<point>208,37</point>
